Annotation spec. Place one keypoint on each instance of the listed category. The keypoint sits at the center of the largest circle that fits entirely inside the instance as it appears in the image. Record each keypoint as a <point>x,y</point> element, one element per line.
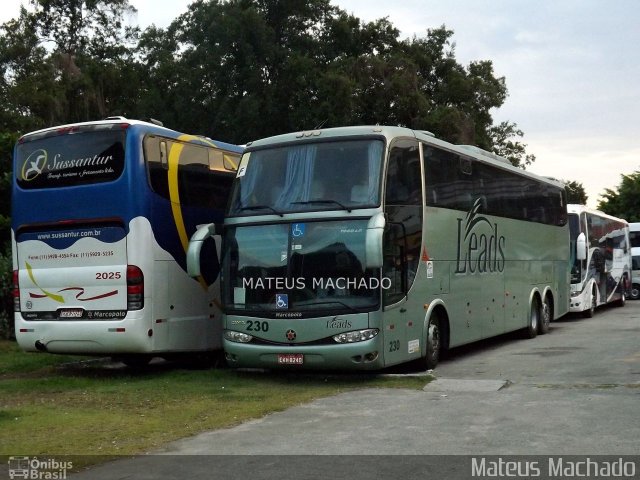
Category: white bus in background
<point>634,236</point>
<point>601,259</point>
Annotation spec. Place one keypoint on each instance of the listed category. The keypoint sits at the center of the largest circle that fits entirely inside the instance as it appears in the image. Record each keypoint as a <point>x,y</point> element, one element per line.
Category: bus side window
<point>156,169</point>
<point>199,184</point>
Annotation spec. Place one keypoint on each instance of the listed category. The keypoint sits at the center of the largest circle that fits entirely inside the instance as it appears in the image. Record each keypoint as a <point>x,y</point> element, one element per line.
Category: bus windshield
<point>70,158</point>
<point>337,175</point>
<point>307,266</point>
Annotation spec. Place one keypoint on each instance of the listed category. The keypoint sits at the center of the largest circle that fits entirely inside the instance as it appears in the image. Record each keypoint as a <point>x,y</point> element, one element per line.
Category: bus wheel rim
<point>546,314</point>
<point>433,341</point>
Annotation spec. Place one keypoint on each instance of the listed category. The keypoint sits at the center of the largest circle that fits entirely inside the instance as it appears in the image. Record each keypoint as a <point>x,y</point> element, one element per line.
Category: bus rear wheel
<point>635,292</point>
<point>546,316</point>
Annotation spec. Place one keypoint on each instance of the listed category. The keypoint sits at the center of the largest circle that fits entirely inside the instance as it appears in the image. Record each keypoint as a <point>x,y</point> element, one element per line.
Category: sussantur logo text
<point>39,161</point>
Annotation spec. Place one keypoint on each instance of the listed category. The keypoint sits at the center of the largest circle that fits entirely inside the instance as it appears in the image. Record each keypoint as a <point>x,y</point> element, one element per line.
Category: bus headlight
<point>356,336</point>
<point>238,337</point>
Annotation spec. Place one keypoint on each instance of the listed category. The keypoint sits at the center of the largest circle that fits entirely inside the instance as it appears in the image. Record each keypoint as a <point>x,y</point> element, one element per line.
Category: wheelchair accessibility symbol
<point>282,301</point>
<point>297,230</point>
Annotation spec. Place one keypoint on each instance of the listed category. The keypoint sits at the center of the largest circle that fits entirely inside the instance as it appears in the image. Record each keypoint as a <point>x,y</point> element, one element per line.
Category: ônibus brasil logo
<point>480,246</point>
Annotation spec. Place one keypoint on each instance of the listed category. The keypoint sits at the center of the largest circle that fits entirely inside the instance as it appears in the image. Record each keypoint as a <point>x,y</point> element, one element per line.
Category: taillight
<point>16,292</point>
<point>135,288</point>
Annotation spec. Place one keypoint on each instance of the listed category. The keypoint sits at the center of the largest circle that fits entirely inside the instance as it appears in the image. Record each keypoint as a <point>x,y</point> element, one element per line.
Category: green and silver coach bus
<point>365,247</point>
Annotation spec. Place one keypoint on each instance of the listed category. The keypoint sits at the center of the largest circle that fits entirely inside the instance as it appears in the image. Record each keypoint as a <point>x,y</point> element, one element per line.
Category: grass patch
<point>90,408</point>
<point>15,361</point>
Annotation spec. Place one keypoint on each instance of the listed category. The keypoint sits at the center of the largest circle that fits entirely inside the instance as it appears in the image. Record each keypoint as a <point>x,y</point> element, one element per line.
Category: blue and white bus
<point>101,218</point>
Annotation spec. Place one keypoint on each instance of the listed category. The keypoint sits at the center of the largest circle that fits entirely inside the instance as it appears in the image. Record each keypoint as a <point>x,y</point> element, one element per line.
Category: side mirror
<point>195,247</point>
<point>373,241</point>
<point>581,247</point>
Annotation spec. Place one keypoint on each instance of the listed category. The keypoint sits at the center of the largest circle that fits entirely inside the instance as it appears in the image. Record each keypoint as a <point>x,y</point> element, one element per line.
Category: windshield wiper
<point>261,207</point>
<point>324,202</point>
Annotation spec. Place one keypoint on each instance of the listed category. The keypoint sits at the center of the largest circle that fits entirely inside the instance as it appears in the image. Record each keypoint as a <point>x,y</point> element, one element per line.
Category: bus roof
<point>634,227</point>
<point>107,121</point>
<point>390,132</point>
<point>578,209</point>
<point>129,121</point>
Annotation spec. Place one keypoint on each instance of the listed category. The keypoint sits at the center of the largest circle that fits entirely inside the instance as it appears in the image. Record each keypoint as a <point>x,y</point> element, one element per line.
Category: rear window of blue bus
<point>70,159</point>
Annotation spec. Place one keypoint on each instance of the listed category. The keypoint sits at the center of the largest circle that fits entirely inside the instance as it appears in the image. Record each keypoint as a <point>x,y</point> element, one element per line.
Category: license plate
<point>290,359</point>
<point>71,313</point>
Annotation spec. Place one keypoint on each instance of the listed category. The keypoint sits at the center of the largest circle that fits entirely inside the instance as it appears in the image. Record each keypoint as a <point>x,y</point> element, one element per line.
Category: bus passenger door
<point>394,274</point>
<point>402,242</point>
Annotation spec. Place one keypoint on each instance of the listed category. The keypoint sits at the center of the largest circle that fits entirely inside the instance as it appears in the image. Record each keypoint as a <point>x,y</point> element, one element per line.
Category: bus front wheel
<point>433,343</point>
<point>534,319</point>
<point>635,292</point>
<point>590,312</point>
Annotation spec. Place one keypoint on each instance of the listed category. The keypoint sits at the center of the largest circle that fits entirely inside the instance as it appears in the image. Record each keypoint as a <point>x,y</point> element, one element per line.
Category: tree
<point>30,97</point>
<point>6,280</point>
<point>85,70</point>
<point>575,192</point>
<point>504,144</point>
<point>253,68</point>
<point>91,27</point>
<point>625,202</point>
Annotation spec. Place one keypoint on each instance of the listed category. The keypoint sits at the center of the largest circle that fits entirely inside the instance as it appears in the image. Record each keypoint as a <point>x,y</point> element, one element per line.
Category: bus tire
<point>546,316</point>
<point>135,361</point>
<point>433,343</point>
<point>635,292</point>
<point>534,319</point>
<point>591,311</point>
<point>623,299</point>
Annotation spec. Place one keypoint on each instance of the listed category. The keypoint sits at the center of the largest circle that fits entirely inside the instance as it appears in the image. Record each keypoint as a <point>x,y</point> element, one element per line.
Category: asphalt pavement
<point>574,391</point>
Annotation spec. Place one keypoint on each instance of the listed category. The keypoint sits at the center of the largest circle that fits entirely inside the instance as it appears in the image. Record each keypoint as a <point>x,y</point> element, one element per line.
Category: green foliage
<point>273,67</point>
<point>575,192</point>
<point>244,69</point>
<point>502,136</point>
<point>625,201</point>
<point>6,300</point>
<point>6,267</point>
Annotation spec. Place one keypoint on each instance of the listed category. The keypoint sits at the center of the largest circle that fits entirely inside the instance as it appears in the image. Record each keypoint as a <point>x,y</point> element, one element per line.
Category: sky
<point>572,68</point>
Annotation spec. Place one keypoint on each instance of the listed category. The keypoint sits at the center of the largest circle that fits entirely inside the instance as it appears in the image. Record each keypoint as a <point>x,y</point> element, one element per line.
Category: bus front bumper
<point>366,355</point>
<point>579,301</point>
